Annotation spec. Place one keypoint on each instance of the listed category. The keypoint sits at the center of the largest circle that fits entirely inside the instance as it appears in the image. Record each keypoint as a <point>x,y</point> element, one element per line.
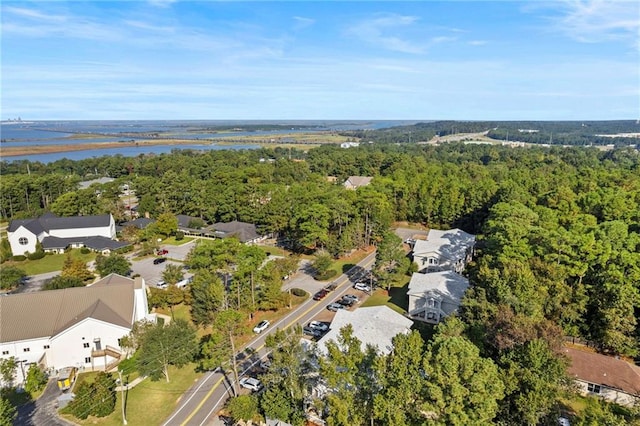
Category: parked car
<point>162,284</point>
<point>265,364</point>
<point>346,302</point>
<point>352,297</point>
<point>262,326</point>
<point>320,295</point>
<point>162,252</point>
<point>251,383</point>
<point>319,325</point>
<point>362,287</point>
<point>335,306</point>
<point>159,260</point>
<point>310,331</point>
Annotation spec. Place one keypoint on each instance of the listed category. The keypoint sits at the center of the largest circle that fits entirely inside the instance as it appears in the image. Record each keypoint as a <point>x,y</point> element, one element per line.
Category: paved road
<point>202,401</point>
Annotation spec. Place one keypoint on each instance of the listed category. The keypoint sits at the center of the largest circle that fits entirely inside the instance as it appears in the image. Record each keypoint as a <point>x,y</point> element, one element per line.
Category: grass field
<point>395,298</point>
<point>49,263</point>
<point>149,403</point>
<point>172,241</point>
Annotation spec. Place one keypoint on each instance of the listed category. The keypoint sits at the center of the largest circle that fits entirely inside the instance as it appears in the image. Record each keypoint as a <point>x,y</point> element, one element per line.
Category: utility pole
<point>124,419</point>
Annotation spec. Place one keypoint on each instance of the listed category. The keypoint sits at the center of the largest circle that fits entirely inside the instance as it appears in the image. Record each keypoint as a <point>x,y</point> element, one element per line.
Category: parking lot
<point>151,273</point>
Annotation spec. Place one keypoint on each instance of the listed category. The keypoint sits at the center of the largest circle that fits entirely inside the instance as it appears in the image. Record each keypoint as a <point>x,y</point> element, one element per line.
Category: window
<point>87,360</point>
<point>46,346</point>
<point>85,345</point>
<point>5,352</point>
<point>25,349</point>
<point>23,241</point>
<point>593,388</point>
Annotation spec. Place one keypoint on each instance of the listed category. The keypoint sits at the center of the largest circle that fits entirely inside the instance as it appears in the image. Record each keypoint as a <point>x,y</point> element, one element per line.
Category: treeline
<point>537,132</point>
<point>560,226</point>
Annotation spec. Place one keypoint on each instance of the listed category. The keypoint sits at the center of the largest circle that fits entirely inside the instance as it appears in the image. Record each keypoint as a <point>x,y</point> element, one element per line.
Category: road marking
<point>199,406</point>
<point>295,321</point>
<point>184,403</point>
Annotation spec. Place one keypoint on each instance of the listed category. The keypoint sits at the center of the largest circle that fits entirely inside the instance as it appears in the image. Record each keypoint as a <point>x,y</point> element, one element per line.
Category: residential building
<point>73,327</point>
<point>435,295</point>
<point>245,232</point>
<point>375,326</point>
<point>56,233</point>
<point>610,378</point>
<point>355,182</point>
<point>448,250</point>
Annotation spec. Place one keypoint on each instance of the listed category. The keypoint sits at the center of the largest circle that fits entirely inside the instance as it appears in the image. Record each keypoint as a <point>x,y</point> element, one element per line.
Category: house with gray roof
<point>57,233</point>
<point>73,327</point>
<point>448,250</point>
<point>355,182</point>
<point>435,295</point>
<point>375,326</point>
<point>243,231</point>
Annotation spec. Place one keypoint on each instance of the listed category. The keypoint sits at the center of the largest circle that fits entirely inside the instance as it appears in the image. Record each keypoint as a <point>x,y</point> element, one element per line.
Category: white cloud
<point>377,31</point>
<point>302,22</point>
<point>593,21</point>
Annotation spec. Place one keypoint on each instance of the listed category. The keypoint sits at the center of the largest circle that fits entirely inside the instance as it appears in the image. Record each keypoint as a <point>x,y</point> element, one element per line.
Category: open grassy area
<point>49,263</point>
<point>149,403</point>
<point>395,298</point>
<point>172,241</point>
<point>345,263</point>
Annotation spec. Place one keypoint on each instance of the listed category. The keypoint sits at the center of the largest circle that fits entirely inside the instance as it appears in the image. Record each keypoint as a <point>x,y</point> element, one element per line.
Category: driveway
<point>42,412</point>
<point>34,283</point>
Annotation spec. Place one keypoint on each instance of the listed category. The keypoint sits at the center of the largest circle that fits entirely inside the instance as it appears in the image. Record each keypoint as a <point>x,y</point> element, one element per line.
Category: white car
<point>362,287</point>
<point>162,284</point>
<point>251,383</point>
<point>320,326</point>
<point>262,326</point>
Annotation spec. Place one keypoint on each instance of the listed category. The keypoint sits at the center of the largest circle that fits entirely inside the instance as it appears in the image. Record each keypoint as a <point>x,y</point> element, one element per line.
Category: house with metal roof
<point>448,250</point>
<point>607,377</point>
<point>375,326</point>
<point>73,327</point>
<point>435,295</point>
<point>57,233</point>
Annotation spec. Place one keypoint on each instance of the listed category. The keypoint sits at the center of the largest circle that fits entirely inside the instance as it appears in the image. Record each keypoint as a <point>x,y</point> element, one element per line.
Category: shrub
<point>35,256</point>
<point>327,275</point>
<point>19,258</point>
<point>85,250</point>
<point>298,292</point>
<point>179,235</point>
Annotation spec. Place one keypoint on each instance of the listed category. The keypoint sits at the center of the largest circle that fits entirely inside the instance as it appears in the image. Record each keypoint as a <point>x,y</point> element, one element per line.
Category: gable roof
<point>49,221</point>
<point>452,244</point>
<point>47,313</point>
<point>376,326</point>
<point>446,284</point>
<point>97,243</point>
<point>358,181</point>
<point>242,230</point>
<point>604,370</point>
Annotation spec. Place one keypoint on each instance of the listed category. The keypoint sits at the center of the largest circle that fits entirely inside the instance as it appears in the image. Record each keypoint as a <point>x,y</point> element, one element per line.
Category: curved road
<point>202,401</point>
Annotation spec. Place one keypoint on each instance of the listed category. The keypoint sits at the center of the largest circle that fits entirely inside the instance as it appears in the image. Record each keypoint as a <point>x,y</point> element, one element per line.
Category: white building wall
<point>14,240</point>
<point>26,352</point>
<point>141,305</point>
<point>609,394</point>
<point>68,347</point>
<point>104,231</point>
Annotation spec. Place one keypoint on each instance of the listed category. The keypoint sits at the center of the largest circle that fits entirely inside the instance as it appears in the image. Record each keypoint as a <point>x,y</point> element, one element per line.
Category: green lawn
<point>49,263</point>
<point>149,403</point>
<point>172,241</point>
<point>395,298</point>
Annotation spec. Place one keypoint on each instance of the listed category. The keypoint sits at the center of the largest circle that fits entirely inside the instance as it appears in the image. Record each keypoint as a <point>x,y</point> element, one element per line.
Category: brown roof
<point>47,313</point>
<point>604,370</point>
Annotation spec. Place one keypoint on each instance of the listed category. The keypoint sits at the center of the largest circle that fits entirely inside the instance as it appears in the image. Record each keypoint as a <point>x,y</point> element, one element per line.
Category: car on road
<point>362,287</point>
<point>251,383</point>
<point>162,252</point>
<point>159,260</point>
<point>330,287</point>
<point>320,295</point>
<point>335,306</point>
<point>310,331</point>
<point>262,326</point>
<point>319,326</point>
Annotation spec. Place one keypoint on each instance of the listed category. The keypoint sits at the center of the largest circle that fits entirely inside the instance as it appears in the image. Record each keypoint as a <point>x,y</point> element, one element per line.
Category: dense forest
<point>582,133</point>
<point>558,231</point>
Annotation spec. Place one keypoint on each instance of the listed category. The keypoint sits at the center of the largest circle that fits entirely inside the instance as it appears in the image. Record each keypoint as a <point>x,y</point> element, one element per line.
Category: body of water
<point>25,133</point>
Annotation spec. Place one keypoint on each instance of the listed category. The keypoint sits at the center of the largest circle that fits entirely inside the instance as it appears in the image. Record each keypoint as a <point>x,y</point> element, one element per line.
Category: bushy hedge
<point>19,258</point>
<point>85,250</point>
<point>35,256</point>
<point>179,235</point>
<point>298,292</point>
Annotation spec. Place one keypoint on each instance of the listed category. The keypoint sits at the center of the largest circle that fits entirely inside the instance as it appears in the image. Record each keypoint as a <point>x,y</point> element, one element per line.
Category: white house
<point>56,233</point>
<point>435,295</point>
<point>375,326</point>
<point>74,327</point>
<point>449,250</point>
<point>610,378</point>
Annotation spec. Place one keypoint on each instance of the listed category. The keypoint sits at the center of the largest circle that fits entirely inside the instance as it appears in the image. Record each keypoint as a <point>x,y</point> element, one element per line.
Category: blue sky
<point>475,60</point>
